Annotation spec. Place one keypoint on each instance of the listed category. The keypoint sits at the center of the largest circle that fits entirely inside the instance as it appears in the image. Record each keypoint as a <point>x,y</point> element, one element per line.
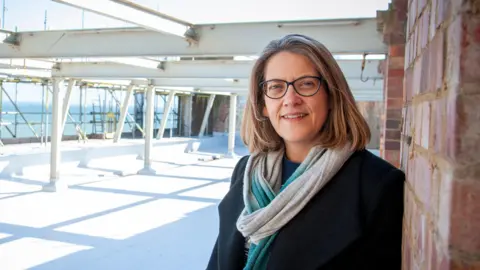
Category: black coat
<point>354,222</point>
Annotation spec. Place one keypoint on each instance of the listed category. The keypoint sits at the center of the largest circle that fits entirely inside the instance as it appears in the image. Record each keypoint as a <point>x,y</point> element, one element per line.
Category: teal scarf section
<point>269,205</point>
<point>263,194</point>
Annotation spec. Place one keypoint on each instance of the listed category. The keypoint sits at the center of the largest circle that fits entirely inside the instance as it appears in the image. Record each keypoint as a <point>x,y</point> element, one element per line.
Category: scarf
<point>269,205</point>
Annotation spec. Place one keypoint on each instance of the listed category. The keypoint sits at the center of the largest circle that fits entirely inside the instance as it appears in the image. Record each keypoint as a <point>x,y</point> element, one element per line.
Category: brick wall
<point>391,25</point>
<point>441,142</point>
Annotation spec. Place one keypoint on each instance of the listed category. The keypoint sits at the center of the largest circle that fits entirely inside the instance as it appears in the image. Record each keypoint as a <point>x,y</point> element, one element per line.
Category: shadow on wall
<point>372,111</point>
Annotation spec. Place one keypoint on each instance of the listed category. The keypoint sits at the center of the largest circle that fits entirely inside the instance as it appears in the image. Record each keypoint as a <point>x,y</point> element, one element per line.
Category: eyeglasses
<point>305,86</point>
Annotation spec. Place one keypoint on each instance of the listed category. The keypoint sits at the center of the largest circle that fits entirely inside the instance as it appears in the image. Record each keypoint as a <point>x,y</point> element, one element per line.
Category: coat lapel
<point>325,227</point>
<point>232,250</point>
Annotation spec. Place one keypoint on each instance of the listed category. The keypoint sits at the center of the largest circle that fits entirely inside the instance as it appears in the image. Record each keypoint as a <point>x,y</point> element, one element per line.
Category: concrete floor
<point>104,221</point>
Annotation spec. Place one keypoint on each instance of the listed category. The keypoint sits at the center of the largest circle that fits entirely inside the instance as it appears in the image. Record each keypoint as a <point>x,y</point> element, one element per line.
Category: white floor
<point>104,221</point>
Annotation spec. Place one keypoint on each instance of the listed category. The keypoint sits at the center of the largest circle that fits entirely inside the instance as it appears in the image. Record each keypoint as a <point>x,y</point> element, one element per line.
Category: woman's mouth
<point>294,116</point>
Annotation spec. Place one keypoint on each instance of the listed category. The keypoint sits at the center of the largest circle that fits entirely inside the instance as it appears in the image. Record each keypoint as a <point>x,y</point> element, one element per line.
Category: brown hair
<point>344,122</point>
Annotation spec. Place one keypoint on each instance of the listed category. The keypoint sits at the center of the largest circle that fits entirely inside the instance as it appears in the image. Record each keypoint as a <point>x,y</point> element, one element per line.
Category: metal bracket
<point>13,39</point>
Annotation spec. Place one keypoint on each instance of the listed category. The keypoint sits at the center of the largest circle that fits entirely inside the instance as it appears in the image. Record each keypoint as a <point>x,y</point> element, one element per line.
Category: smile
<point>294,116</point>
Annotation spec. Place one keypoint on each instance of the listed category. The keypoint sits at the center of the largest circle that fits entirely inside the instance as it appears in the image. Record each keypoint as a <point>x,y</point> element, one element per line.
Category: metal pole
<point>123,114</point>
<point>147,158</point>
<point>232,125</point>
<point>43,116</point>
<point>21,114</point>
<point>3,14</point>
<point>55,184</point>
<point>211,99</point>
<point>1,110</point>
<point>16,115</point>
<point>166,110</point>
<point>46,116</point>
<point>84,116</point>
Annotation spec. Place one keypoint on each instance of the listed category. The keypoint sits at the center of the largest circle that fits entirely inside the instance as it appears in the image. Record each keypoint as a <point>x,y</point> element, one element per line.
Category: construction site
<point>117,143</point>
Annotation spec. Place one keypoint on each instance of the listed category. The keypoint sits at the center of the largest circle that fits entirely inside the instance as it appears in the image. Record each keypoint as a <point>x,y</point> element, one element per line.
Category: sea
<point>32,112</point>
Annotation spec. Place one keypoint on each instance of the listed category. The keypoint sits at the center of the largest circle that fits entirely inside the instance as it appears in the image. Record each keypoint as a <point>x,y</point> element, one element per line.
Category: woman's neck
<point>297,152</point>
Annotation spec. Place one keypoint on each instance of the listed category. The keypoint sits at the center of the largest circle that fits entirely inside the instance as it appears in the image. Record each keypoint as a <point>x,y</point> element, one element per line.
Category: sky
<point>28,15</point>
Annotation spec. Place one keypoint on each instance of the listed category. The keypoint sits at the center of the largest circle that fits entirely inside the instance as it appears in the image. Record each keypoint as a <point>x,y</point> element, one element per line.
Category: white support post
<point>66,103</point>
<point>206,116</point>
<point>188,115</point>
<point>232,116</point>
<point>55,184</point>
<point>166,111</point>
<point>147,157</point>
<point>123,113</point>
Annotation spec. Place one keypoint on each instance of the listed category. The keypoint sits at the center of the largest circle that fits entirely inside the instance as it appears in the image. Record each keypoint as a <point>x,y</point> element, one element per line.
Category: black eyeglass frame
<point>292,83</point>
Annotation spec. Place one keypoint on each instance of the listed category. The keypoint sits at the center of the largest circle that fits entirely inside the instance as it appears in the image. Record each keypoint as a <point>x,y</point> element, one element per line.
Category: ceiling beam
<point>233,39</point>
<point>190,69</point>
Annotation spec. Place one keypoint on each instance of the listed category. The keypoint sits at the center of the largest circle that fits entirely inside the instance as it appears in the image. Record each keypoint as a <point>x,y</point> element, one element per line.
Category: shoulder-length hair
<point>344,123</point>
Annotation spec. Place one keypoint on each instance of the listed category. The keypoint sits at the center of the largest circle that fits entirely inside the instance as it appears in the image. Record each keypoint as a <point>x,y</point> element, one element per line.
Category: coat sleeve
<point>383,243</point>
<point>237,175</point>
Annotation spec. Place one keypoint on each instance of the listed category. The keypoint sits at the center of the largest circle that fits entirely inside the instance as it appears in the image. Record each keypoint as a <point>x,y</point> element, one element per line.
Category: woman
<point>309,196</point>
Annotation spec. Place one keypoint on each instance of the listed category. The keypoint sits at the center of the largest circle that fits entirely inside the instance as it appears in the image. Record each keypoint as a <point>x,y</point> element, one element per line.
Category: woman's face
<point>297,119</point>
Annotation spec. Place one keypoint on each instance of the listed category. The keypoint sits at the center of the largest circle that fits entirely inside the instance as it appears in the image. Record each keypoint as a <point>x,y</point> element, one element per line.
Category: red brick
<point>433,260</point>
<point>392,135</point>
<point>426,112</point>
<point>439,54</point>
<point>439,126</point>
<point>465,216</point>
<point>417,73</point>
<point>444,207</point>
<point>408,84</point>
<point>396,62</point>
<point>392,124</point>
<point>392,155</point>
<point>421,5</point>
<point>425,27</point>
<point>391,144</point>
<point>460,264</point>
<point>396,50</point>
<point>395,103</point>
<point>394,113</point>
<point>423,182</point>
<point>424,72</point>
<point>435,192</point>
<point>417,121</point>
<point>432,23</point>
<point>470,50</point>
<point>463,132</point>
<point>395,90</point>
<point>396,73</point>
<point>444,263</point>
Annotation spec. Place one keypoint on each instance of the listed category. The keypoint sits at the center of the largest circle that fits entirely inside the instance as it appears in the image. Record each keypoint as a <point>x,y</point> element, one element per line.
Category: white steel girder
<point>191,69</point>
<point>231,39</point>
<point>227,85</point>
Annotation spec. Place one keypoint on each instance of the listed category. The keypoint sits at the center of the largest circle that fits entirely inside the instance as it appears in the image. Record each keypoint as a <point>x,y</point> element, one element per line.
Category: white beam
<point>237,39</point>
<point>147,157</point>
<point>208,109</point>
<point>128,14</point>
<point>166,111</point>
<point>55,184</point>
<point>232,124</point>
<point>123,113</point>
<point>66,103</point>
<point>221,85</point>
<point>190,69</point>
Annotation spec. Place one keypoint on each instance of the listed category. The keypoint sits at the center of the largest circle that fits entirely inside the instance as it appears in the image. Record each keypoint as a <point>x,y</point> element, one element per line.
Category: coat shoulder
<point>239,170</point>
<point>379,180</point>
